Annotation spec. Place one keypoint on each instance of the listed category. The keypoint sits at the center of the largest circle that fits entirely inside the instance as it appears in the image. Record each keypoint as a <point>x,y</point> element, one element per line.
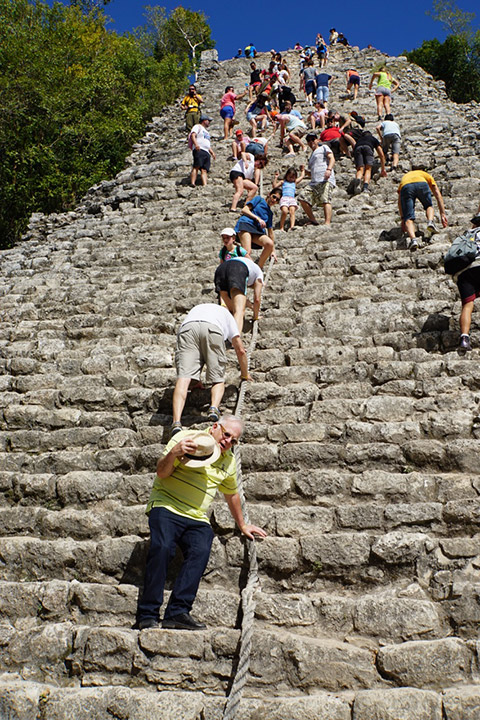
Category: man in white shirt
<point>322,183</point>
<point>199,141</point>
<point>201,341</point>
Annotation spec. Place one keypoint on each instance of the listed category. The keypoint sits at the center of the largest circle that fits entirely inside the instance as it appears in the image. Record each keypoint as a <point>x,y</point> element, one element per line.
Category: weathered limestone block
<point>295,522</point>
<point>321,706</point>
<point>311,663</point>
<point>109,649</point>
<point>399,547</point>
<point>40,652</point>
<point>396,619</point>
<point>461,703</point>
<point>397,704</point>
<point>430,662</point>
<point>336,550</point>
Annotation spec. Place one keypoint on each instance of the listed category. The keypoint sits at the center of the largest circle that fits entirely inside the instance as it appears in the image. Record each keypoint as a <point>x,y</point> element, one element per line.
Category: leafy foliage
<point>75,97</point>
<point>457,60</point>
<point>184,32</point>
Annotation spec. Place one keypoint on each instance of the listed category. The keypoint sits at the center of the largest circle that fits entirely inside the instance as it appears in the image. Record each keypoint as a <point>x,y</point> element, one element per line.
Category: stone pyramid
<point>361,453</point>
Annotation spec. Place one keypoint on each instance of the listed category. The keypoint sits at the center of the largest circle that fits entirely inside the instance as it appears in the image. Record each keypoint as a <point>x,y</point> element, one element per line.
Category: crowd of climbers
<point>195,465</point>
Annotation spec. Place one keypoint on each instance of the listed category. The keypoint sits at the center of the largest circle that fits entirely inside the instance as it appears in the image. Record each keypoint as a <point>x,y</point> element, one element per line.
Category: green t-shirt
<point>190,491</point>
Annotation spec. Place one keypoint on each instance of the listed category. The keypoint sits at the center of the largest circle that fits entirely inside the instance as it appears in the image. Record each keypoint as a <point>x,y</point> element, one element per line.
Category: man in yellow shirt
<point>414,185</point>
<point>193,467</point>
<point>191,104</point>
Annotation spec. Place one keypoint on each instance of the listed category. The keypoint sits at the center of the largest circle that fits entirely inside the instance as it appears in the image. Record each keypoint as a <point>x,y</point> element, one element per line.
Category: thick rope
<point>248,601</point>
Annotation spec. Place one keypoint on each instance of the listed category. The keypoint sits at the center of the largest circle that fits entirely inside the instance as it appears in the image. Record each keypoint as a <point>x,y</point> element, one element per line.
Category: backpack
<point>461,253</point>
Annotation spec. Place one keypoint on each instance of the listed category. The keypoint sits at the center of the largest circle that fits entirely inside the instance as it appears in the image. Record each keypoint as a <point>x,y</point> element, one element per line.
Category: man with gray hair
<point>194,465</point>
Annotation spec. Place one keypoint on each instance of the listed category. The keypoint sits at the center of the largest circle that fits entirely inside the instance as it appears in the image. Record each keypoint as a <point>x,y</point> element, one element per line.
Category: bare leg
<point>386,104</point>
<point>466,318</point>
<point>430,213</point>
<point>327,209</point>
<point>307,209</point>
<point>238,185</point>
<point>204,176</point>
<point>267,244</point>
<point>216,394</point>
<point>410,228</point>
<point>368,173</point>
<point>252,189</point>
<point>239,301</point>
<point>179,397</point>
<point>284,211</point>
<point>245,240</point>
<point>291,211</point>
<point>193,176</point>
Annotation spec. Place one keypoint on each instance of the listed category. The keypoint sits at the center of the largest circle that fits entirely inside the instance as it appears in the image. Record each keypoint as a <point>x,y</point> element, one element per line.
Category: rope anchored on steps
<point>248,600</point>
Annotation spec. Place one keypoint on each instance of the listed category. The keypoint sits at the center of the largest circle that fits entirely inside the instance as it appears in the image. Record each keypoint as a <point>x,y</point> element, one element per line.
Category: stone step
<point>27,698</point>
<point>203,660</point>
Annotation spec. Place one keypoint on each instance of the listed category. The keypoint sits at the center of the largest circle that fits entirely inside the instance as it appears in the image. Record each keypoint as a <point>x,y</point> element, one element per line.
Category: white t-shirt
<point>216,315</point>
<point>250,170</point>
<point>203,137</point>
<point>254,272</point>
<point>318,163</point>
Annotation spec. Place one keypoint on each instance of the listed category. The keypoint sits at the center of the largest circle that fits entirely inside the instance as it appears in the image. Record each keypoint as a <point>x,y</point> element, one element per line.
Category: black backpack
<point>461,252</point>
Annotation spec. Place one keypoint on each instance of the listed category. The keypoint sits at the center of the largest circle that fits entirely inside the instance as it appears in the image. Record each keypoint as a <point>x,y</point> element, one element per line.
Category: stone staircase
<point>360,456</point>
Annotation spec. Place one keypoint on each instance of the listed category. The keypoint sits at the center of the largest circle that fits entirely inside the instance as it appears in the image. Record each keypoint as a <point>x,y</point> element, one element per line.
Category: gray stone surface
<point>360,455</point>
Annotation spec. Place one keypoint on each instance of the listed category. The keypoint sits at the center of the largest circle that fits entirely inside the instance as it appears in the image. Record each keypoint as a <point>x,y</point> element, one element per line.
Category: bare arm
<point>166,463</point>
<point>235,507</point>
<point>381,155</point>
<point>441,206</point>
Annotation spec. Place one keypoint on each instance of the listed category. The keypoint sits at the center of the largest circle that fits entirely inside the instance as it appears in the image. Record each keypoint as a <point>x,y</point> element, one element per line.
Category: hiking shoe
<point>184,621</point>
<point>430,231</point>
<point>357,186</point>
<point>413,245</point>
<point>175,428</point>
<point>465,343</point>
<point>213,414</point>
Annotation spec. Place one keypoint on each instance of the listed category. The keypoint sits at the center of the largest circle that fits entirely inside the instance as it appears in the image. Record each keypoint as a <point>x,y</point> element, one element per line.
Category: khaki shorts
<point>317,195</point>
<point>199,344</point>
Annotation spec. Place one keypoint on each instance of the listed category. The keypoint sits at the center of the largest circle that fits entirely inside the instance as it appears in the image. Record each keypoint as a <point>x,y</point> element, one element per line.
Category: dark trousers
<point>194,538</point>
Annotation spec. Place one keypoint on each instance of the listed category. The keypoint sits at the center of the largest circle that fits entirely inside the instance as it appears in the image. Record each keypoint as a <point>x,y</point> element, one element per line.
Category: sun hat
<point>207,451</point>
<point>228,231</point>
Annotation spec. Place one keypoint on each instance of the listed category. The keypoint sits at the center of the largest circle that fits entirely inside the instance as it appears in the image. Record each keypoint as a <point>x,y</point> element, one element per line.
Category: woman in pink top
<point>227,110</point>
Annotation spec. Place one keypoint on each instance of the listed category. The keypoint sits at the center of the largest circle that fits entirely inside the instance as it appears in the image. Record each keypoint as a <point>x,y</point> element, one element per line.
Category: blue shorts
<point>227,112</point>
<point>411,192</point>
<point>309,87</point>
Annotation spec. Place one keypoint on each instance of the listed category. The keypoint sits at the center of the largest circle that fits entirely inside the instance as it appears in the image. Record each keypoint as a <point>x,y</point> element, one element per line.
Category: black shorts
<point>363,155</point>
<point>231,274</point>
<point>201,160</point>
<point>468,284</point>
<point>353,80</point>
<point>234,174</point>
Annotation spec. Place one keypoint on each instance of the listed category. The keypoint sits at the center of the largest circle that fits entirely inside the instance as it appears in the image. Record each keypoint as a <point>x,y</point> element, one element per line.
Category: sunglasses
<point>228,436</point>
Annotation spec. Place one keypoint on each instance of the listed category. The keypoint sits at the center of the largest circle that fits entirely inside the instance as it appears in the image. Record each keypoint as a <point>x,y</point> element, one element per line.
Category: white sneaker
<point>413,245</point>
<point>430,231</point>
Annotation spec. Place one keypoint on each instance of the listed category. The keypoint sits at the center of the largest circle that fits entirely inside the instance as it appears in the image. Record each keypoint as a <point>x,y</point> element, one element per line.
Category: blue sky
<point>389,26</point>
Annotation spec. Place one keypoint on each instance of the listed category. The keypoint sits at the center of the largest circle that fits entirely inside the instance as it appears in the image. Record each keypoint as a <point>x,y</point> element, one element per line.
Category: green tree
<point>454,20</point>
<point>457,60</point>
<point>75,97</point>
<point>183,33</point>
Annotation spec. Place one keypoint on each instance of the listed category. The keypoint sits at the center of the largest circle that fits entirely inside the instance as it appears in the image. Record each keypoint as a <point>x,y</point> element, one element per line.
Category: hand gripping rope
<point>248,601</point>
